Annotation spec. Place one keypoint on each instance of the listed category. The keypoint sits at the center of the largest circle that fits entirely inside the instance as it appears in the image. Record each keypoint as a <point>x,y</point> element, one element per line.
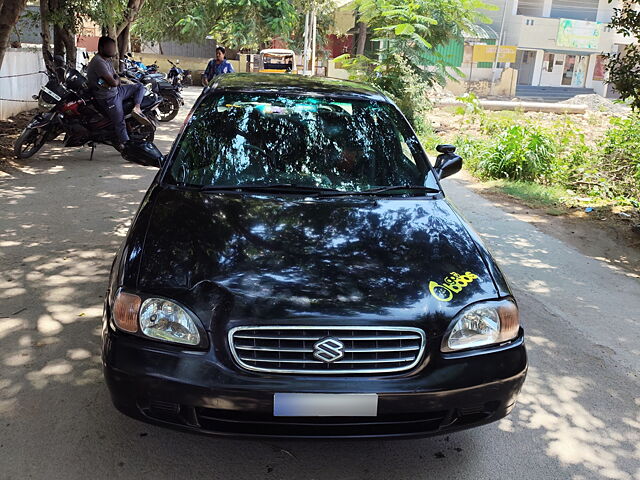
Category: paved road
<point>62,220</point>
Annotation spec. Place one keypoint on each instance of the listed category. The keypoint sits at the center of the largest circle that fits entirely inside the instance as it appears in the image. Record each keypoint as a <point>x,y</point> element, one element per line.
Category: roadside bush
<point>495,122</point>
<point>520,152</point>
<point>471,150</point>
<point>620,157</point>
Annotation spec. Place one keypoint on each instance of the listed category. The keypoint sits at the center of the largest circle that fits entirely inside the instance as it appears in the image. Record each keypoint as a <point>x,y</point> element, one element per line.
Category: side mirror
<point>447,163</point>
<point>142,153</point>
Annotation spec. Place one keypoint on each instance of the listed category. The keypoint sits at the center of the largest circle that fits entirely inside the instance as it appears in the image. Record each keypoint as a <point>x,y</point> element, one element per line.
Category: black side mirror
<point>447,163</point>
<point>142,153</point>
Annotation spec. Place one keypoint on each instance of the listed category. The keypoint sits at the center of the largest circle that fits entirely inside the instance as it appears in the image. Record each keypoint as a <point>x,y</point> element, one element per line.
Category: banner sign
<point>578,34</point>
<point>487,53</point>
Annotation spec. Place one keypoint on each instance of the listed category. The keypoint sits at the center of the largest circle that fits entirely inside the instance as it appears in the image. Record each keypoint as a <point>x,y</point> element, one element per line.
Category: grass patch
<point>534,195</point>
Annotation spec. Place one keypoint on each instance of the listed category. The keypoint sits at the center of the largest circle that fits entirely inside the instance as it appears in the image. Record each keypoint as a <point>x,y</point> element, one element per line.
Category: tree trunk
<point>362,38</point>
<point>9,14</point>
<point>124,41</point>
<point>45,33</point>
<point>58,43</point>
<point>68,41</point>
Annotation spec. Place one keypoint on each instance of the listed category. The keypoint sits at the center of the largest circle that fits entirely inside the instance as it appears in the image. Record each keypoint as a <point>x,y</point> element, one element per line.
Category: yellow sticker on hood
<point>452,284</point>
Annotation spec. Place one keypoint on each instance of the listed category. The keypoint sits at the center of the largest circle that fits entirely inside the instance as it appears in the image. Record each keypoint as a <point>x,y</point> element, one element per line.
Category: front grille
<point>327,350</point>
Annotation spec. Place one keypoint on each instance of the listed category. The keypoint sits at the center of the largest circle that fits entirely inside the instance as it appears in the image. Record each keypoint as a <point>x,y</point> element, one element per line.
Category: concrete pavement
<point>62,220</point>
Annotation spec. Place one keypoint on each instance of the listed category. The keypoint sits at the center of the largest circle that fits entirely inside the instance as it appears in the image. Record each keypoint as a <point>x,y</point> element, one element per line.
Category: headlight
<point>483,324</point>
<point>157,318</point>
<point>165,320</point>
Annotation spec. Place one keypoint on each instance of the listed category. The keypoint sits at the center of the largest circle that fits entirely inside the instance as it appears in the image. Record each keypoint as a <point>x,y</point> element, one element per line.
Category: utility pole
<point>313,46</point>
<point>305,58</point>
<point>498,45</point>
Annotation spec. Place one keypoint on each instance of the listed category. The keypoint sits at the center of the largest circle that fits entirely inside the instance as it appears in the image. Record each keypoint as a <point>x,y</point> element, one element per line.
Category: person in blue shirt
<point>217,66</point>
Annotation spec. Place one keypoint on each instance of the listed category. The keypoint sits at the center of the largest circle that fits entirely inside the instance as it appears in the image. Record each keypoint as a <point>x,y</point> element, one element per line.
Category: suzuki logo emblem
<point>328,349</point>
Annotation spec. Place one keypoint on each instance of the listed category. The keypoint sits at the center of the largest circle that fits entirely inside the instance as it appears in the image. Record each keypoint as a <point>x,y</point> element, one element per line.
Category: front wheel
<point>30,141</point>
<point>168,109</point>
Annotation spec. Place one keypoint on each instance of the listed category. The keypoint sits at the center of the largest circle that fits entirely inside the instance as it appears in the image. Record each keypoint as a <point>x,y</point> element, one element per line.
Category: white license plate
<point>325,404</point>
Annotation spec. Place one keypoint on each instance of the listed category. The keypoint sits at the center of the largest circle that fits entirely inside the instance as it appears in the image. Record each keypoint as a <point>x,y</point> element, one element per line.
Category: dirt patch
<point>448,124</point>
<point>597,103</point>
<point>604,233</point>
<point>10,130</point>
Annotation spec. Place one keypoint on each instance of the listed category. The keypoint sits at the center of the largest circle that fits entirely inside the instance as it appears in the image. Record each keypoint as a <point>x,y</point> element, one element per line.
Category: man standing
<point>217,66</point>
<point>105,86</point>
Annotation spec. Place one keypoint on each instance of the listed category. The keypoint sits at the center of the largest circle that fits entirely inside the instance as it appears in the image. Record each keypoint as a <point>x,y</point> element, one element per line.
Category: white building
<point>559,42</point>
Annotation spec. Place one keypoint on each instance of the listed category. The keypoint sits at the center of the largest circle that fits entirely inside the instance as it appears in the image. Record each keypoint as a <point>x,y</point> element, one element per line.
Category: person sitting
<point>217,66</point>
<point>110,95</point>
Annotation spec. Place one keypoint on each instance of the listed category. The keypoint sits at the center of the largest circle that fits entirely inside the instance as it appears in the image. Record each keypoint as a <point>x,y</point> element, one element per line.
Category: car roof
<point>297,84</point>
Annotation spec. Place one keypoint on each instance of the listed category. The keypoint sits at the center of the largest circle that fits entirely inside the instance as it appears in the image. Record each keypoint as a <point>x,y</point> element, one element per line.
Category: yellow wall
<point>196,65</point>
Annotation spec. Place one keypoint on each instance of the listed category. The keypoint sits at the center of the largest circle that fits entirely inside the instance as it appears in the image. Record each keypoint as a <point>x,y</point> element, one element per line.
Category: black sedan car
<point>295,271</point>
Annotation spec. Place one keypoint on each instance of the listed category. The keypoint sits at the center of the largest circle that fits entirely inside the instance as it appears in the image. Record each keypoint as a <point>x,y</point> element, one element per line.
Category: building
<point>559,42</point>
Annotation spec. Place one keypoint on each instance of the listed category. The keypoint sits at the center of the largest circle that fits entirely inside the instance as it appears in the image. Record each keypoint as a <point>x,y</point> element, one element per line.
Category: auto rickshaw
<point>277,60</point>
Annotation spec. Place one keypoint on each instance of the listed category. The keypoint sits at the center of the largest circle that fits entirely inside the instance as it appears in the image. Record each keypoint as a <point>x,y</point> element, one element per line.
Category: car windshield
<point>259,139</point>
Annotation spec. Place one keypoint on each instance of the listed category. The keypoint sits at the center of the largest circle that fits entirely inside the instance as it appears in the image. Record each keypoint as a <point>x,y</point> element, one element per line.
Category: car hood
<point>264,257</point>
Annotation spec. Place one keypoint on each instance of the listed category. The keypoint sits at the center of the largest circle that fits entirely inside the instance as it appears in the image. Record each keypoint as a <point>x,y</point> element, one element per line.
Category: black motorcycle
<point>68,107</point>
<point>171,98</point>
<point>179,77</point>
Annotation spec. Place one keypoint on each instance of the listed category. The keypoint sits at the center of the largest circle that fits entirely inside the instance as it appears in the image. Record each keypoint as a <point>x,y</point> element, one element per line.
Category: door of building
<point>575,69</point>
<point>526,61</point>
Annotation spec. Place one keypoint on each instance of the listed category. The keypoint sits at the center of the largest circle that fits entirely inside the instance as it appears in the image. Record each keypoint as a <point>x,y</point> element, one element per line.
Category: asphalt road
<point>62,219</point>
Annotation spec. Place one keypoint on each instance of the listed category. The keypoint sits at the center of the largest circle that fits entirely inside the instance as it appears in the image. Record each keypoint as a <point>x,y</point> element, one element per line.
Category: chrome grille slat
<point>316,338</point>
<point>278,360</point>
<point>290,349</point>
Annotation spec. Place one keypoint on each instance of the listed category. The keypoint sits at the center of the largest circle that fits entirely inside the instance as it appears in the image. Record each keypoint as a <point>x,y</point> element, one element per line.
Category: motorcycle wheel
<point>29,142</point>
<point>168,109</point>
<point>144,133</point>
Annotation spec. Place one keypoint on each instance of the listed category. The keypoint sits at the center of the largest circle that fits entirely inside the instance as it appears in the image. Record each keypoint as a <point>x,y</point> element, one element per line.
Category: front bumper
<point>193,391</point>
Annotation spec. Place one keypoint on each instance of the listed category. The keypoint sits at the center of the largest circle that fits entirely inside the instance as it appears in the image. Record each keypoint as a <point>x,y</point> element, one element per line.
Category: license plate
<point>325,404</point>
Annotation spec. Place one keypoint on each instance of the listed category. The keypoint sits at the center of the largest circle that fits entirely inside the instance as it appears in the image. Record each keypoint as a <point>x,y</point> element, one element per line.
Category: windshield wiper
<point>383,190</point>
<point>280,187</point>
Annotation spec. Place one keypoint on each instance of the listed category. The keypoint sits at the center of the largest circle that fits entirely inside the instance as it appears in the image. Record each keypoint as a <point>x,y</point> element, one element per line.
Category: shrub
<point>620,160</point>
<point>521,152</point>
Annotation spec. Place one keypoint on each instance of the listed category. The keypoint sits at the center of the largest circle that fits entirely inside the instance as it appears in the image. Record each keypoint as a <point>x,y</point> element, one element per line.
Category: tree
<point>624,67</point>
<point>66,17</point>
<point>407,62</point>
<point>239,24</point>
<point>10,11</point>
<point>116,18</point>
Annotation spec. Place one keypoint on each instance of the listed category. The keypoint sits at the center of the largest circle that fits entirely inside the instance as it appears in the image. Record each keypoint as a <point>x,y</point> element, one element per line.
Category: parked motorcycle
<point>179,77</point>
<point>171,98</point>
<point>67,106</point>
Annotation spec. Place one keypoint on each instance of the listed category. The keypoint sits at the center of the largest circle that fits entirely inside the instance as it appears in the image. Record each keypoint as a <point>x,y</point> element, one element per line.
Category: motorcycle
<point>171,98</point>
<point>178,76</point>
<point>67,106</point>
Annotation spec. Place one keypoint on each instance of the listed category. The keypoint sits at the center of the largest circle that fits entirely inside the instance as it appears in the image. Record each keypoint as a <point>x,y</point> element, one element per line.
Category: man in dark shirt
<point>217,66</point>
<point>109,93</point>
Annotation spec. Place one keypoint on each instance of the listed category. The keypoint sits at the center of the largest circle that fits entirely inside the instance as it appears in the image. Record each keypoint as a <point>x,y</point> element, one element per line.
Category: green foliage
<point>471,104</point>
<point>408,32</point>
<point>239,24</point>
<point>624,67</point>
<point>534,194</point>
<point>521,152</point>
<point>558,157</point>
<point>621,156</point>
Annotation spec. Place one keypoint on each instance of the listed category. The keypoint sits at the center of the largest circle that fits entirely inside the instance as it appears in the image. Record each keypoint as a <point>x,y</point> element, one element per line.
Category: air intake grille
<point>327,350</point>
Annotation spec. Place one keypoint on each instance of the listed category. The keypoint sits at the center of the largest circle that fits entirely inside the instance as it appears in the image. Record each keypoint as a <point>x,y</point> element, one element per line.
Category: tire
<point>143,133</point>
<point>30,142</point>
<point>168,109</point>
